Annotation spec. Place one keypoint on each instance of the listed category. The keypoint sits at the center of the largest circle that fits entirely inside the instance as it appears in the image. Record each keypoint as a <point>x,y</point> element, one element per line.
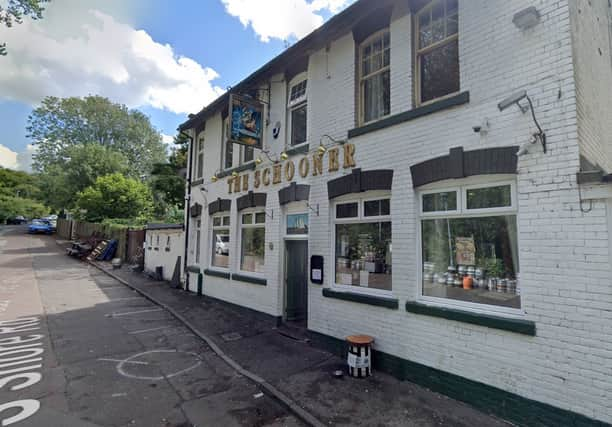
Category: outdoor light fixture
<point>526,18</point>
<point>514,100</point>
<point>258,161</point>
<point>284,156</point>
<point>234,174</point>
<point>321,149</point>
<point>214,178</point>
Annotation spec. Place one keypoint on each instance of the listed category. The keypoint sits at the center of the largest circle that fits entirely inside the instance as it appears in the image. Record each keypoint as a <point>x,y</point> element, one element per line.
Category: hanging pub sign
<point>245,115</point>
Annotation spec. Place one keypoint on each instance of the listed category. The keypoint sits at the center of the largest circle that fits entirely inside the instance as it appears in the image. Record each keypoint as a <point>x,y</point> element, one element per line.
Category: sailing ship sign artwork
<point>245,121</point>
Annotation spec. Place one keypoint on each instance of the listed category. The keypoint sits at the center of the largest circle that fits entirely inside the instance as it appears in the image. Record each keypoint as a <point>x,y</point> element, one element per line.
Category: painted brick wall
<point>158,255</point>
<point>564,253</point>
<point>592,48</point>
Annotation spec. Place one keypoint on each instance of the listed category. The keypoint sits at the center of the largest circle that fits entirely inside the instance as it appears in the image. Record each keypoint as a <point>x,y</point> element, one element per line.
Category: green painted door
<point>296,279</point>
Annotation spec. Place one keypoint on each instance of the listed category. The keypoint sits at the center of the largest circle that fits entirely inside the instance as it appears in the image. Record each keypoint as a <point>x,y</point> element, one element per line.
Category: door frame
<point>303,238</point>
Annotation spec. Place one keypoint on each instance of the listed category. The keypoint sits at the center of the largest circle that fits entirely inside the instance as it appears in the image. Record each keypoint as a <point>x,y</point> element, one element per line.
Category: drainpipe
<point>187,205</point>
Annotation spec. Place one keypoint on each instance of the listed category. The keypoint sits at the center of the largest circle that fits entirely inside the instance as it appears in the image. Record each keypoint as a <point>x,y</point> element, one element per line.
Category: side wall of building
<point>162,248</point>
<point>564,259</point>
<point>592,49</point>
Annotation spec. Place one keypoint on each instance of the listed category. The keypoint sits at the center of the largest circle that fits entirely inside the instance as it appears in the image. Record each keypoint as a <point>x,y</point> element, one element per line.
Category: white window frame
<point>200,160</point>
<point>198,238</point>
<point>296,104</point>
<point>461,186</point>
<point>241,226</point>
<point>220,215</point>
<point>419,52</point>
<point>224,143</point>
<point>360,219</point>
<point>362,78</point>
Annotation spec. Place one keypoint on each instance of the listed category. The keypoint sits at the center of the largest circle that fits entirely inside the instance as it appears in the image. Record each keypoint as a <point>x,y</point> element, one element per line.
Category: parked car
<point>19,219</point>
<point>40,226</point>
<point>222,244</point>
<point>52,219</point>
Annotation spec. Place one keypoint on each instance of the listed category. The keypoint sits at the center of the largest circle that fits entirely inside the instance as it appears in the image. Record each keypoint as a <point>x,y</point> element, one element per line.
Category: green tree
<point>115,196</point>
<point>168,183</point>
<point>60,123</point>
<point>83,164</point>
<point>14,11</point>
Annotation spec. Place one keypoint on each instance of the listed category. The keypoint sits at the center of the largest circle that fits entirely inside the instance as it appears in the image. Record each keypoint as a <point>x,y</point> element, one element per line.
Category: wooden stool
<point>360,355</point>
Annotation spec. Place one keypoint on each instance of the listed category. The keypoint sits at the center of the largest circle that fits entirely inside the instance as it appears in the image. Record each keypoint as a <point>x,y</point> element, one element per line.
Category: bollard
<point>359,357</point>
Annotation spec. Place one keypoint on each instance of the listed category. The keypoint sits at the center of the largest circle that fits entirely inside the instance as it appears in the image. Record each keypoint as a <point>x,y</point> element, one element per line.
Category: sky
<point>166,58</point>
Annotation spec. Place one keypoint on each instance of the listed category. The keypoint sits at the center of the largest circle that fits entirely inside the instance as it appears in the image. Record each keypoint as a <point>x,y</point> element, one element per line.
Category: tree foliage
<point>19,192</point>
<point>168,183</point>
<point>115,196</point>
<point>16,10</point>
<point>83,164</point>
<point>60,123</point>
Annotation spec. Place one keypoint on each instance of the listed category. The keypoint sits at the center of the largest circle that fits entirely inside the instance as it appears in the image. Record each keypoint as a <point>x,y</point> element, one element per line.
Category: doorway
<point>296,281</point>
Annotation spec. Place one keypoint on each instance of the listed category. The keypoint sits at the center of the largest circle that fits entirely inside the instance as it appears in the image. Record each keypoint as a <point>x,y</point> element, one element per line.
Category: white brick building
<point>427,171</point>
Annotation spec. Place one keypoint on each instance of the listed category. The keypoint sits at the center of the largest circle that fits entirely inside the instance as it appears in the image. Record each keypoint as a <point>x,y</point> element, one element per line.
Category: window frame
<point>361,77</point>
<point>221,215</point>
<point>224,145</point>
<point>198,238</point>
<point>200,157</point>
<point>461,186</point>
<point>296,104</point>
<point>360,219</point>
<point>241,227</point>
<point>418,53</point>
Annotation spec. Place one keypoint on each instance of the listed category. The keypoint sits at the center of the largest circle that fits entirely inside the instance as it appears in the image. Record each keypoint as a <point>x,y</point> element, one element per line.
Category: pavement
<point>302,372</point>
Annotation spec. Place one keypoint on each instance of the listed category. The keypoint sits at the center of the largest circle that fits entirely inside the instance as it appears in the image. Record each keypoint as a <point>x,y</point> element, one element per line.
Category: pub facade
<point>435,174</point>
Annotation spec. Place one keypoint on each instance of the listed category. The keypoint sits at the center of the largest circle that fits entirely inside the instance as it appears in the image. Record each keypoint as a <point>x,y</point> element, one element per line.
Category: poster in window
<point>465,250</point>
<point>245,121</point>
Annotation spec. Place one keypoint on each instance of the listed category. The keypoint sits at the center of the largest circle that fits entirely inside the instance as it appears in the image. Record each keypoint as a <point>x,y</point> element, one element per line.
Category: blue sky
<point>166,58</point>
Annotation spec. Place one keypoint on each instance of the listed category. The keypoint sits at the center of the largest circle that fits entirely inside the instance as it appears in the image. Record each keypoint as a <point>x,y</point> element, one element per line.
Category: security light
<point>526,18</point>
<point>513,99</point>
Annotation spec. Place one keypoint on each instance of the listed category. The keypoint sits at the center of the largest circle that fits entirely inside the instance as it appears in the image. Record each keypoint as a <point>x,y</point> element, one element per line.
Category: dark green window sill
<point>249,279</point>
<point>362,299</point>
<point>297,150</point>
<point>519,326</point>
<point>193,269</point>
<point>215,273</point>
<point>197,182</point>
<point>227,172</point>
<point>443,104</point>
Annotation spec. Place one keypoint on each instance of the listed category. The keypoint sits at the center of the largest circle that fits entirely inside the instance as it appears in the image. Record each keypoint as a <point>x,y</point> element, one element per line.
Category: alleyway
<point>109,356</point>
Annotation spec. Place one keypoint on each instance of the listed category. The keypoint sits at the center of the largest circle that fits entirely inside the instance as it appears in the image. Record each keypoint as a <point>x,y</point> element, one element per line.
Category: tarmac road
<point>77,348</point>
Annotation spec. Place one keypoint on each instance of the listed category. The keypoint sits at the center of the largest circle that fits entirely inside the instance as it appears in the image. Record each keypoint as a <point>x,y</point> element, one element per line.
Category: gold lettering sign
<point>286,171</point>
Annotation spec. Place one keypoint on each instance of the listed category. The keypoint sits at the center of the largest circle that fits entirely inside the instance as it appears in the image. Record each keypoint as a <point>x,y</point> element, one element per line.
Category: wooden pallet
<point>97,251</point>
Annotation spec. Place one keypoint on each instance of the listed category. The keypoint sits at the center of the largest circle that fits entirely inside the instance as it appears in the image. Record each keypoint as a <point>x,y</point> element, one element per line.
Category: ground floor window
<point>198,228</point>
<point>469,245</point>
<point>363,244</point>
<point>220,241</point>
<point>253,239</point>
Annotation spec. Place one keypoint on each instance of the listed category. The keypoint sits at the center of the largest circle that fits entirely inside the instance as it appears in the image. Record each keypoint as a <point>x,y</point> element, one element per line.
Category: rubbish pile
<point>94,248</point>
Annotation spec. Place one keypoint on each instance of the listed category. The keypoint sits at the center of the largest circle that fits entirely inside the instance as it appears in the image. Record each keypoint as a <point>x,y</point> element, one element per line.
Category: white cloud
<point>282,19</point>
<point>8,158</point>
<point>167,139</point>
<point>96,54</point>
<point>17,161</point>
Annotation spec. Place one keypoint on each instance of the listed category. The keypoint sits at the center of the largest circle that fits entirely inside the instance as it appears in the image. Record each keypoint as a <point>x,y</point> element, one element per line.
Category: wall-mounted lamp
<point>234,174</point>
<point>515,100</point>
<point>284,156</point>
<point>258,161</point>
<point>526,18</point>
<point>316,211</point>
<point>214,178</point>
<point>321,149</point>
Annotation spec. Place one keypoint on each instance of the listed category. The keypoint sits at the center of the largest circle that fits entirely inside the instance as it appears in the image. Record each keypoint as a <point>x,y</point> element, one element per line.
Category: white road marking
<point>134,362</point>
<point>121,364</point>
<point>123,299</point>
<point>128,313</point>
<point>142,331</point>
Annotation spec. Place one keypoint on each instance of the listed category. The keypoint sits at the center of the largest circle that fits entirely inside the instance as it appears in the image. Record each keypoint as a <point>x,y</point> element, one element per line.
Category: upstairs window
<point>374,77</point>
<point>437,52</point>
<point>298,112</point>
<point>200,158</point>
<point>228,147</point>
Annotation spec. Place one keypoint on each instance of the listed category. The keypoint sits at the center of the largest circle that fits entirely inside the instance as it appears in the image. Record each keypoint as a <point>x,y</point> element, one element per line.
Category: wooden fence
<point>128,241</point>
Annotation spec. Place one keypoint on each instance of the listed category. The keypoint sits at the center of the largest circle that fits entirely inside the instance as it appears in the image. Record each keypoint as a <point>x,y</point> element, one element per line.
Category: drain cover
<point>231,336</point>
